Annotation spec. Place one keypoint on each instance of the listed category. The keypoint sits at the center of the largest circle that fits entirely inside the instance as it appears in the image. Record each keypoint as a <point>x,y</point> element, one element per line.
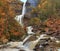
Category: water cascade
<point>19,18</point>
<point>28,46</point>
<point>31,45</point>
<point>29,30</point>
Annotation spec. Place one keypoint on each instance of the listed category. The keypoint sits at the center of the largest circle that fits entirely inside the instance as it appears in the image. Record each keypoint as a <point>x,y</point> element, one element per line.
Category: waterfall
<point>20,44</point>
<point>19,18</point>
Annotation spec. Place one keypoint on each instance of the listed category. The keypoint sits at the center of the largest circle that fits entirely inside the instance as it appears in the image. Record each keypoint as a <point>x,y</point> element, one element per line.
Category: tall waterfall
<point>19,18</point>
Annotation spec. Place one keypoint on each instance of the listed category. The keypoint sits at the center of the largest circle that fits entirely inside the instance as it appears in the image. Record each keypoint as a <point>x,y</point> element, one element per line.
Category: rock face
<point>33,3</point>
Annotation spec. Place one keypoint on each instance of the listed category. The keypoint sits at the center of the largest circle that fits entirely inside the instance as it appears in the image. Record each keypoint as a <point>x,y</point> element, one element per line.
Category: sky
<point>32,2</point>
<point>23,0</point>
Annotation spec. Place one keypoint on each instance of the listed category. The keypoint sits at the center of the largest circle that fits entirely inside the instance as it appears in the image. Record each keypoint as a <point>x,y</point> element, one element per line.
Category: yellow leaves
<point>39,6</point>
<point>3,14</point>
<point>42,5</point>
<point>35,21</point>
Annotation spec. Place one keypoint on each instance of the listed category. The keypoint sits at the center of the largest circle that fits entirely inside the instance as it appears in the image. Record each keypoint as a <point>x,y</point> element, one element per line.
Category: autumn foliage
<point>44,18</point>
<point>9,27</point>
<point>48,11</point>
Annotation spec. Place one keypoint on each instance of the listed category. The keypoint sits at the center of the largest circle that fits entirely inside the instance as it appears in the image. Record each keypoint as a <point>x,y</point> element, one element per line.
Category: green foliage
<point>0,3</point>
<point>47,9</point>
<point>35,21</point>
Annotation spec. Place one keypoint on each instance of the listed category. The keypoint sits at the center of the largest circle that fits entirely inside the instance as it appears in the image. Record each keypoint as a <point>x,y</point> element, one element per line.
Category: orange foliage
<point>53,24</point>
<point>8,25</point>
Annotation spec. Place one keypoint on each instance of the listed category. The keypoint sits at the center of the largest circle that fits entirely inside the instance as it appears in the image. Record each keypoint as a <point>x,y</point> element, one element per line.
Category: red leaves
<point>53,24</point>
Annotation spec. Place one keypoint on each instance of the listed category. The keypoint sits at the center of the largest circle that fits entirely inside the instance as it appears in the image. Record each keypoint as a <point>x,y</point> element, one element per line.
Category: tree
<point>9,27</point>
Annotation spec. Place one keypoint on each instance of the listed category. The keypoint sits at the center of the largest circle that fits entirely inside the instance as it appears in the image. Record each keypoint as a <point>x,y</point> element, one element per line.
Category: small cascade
<point>29,30</point>
<point>31,45</point>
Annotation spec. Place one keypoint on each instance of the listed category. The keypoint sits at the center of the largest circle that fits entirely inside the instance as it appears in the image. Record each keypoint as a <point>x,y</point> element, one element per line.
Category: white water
<point>58,49</point>
<point>19,18</point>
<point>19,44</point>
<point>9,49</point>
<point>27,47</point>
<point>29,30</point>
<point>31,45</point>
